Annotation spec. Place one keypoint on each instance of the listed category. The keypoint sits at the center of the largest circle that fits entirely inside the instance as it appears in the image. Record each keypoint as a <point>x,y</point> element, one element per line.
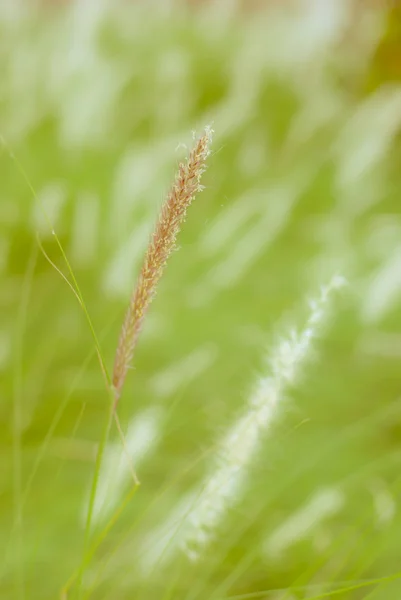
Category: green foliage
<point>303,181</point>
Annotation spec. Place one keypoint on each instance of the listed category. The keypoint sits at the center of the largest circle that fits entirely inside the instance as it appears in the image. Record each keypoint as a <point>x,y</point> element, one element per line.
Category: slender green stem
<point>18,526</point>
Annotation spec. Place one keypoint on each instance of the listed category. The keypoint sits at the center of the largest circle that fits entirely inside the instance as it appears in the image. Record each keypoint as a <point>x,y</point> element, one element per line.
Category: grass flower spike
<point>305,522</point>
<point>193,528</point>
<point>162,243</point>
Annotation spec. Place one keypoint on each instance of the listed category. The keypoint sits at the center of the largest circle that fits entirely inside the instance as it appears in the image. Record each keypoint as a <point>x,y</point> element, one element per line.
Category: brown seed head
<point>161,245</point>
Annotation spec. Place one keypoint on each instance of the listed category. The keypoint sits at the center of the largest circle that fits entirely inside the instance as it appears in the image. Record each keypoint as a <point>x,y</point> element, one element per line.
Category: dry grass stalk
<point>161,245</point>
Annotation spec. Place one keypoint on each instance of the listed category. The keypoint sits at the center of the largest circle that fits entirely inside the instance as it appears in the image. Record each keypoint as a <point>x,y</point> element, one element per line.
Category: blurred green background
<point>97,104</point>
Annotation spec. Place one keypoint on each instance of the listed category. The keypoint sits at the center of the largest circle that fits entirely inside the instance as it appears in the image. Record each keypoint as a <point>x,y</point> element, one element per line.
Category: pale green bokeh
<point>303,182</point>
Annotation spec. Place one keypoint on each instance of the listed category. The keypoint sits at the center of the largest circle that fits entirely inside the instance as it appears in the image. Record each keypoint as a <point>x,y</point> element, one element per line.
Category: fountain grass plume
<point>161,245</point>
<point>194,526</point>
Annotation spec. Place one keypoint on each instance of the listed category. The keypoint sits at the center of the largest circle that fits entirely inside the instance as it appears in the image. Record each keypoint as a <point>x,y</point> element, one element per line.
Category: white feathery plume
<point>202,512</point>
<point>384,502</point>
<point>180,373</point>
<point>384,288</point>
<point>324,504</point>
<point>115,474</point>
<point>53,197</point>
<point>85,229</point>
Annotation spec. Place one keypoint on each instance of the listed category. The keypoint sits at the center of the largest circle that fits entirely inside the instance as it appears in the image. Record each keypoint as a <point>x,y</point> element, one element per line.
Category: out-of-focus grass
<point>303,181</point>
